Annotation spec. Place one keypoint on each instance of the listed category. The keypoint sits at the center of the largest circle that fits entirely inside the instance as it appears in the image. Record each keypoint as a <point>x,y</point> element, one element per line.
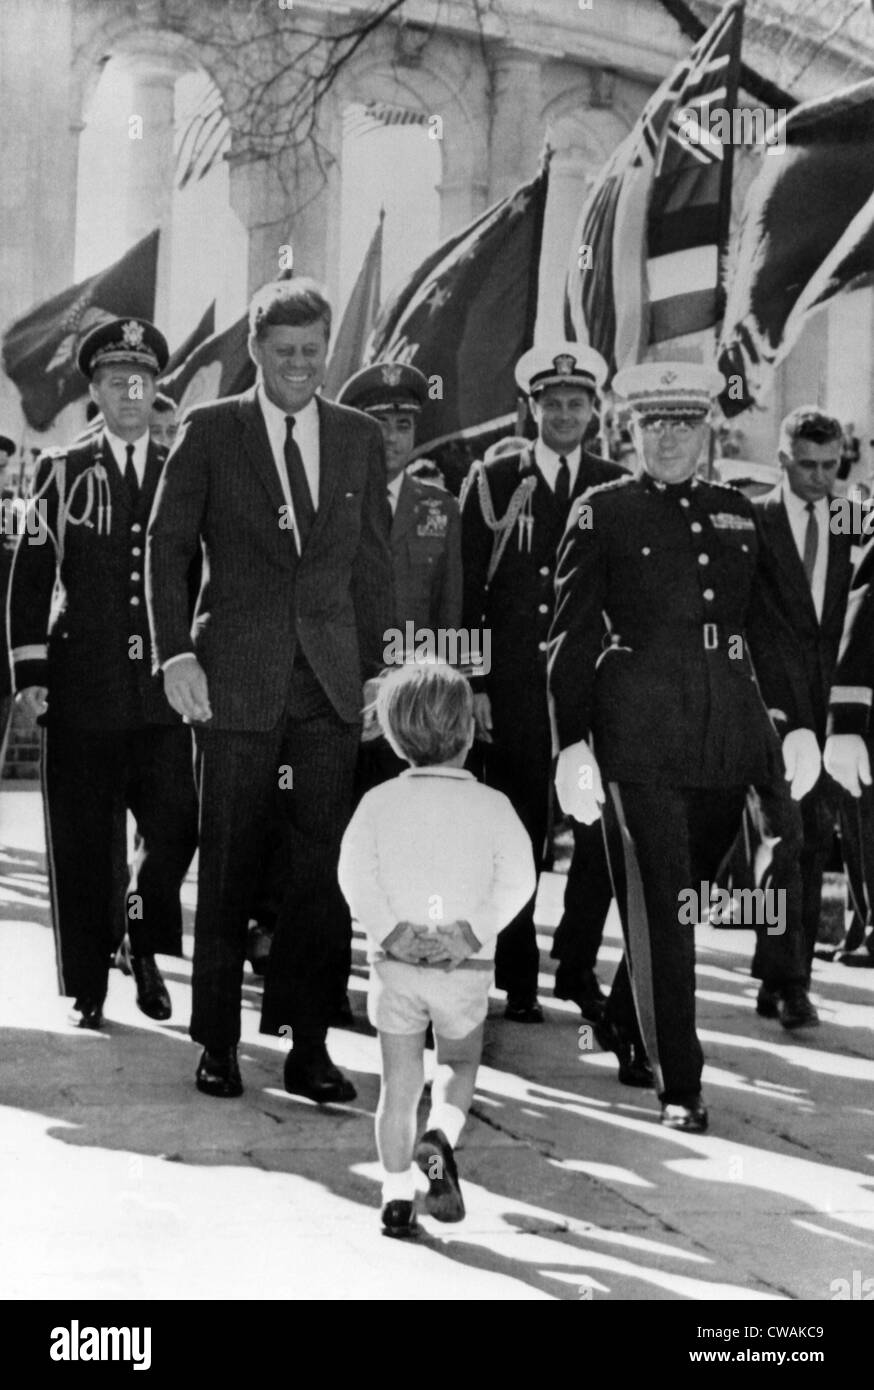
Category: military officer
<point>513,513</point>
<point>425,526</point>
<point>667,712</point>
<point>82,665</point>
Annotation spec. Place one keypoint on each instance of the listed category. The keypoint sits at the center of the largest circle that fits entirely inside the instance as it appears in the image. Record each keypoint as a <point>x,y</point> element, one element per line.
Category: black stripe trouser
<point>660,841</point>
<point>90,778</point>
<point>239,776</point>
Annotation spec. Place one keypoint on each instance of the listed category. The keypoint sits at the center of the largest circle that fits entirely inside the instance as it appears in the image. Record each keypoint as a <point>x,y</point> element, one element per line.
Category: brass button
<point>541,646</point>
<point>136,550</point>
<point>684,502</point>
<point>704,559</point>
<point>135,601</point>
<point>709,595</point>
<point>544,570</point>
<point>136,527</point>
<point>135,574</point>
<point>696,527</point>
<point>544,608</point>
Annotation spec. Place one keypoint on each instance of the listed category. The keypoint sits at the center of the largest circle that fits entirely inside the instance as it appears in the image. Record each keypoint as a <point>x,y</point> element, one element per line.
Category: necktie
<point>130,473</point>
<point>304,511</point>
<point>811,544</point>
<point>562,482</point>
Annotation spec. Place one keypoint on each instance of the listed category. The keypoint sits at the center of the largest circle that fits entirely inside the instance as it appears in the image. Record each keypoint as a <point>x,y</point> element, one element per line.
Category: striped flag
<point>466,315</point>
<point>647,251</point>
<point>220,366</point>
<point>807,233</point>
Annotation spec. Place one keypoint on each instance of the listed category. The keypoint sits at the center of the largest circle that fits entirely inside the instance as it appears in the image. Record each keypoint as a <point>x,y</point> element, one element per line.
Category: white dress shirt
<point>394,491</point>
<point>797,514</point>
<point>431,838</point>
<point>306,436</point>
<point>119,452</point>
<point>547,461</point>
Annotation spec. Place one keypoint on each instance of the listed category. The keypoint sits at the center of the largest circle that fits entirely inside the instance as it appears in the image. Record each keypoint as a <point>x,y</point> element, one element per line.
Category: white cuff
<point>180,656</point>
<point>37,651</point>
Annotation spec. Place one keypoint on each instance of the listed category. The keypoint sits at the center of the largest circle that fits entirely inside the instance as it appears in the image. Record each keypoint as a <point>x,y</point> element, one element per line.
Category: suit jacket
<point>88,640</point>
<point>426,556</point>
<point>852,691</point>
<point>259,601</point>
<point>517,604</point>
<point>815,640</point>
<point>672,696</point>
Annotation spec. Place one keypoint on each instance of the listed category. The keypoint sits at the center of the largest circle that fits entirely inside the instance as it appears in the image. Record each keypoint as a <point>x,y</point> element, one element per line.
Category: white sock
<point>399,1187</point>
<point>448,1118</point>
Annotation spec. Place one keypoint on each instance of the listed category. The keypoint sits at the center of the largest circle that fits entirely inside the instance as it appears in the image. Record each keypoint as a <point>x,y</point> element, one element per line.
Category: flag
<point>645,264</point>
<point>466,315</point>
<point>198,335</point>
<point>806,234</point>
<point>39,350</point>
<point>358,320</point>
<point>221,366</point>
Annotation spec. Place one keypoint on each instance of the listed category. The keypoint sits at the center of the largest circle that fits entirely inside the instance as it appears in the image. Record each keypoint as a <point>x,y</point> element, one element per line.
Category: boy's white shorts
<point>406,998</point>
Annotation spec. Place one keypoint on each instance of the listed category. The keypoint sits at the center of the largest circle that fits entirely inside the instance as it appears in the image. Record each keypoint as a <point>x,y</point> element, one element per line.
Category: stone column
<point>39,136</point>
<point>151,167</point>
<point>517,126</point>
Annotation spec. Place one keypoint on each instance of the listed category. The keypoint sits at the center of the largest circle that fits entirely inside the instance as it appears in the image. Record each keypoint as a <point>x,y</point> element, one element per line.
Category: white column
<point>517,125</point>
<point>570,175</point>
<point>151,170</point>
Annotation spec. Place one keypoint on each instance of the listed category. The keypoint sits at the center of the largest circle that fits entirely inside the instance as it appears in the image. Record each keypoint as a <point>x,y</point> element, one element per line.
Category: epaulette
<point>611,486</point>
<point>55,451</point>
<point>723,487</point>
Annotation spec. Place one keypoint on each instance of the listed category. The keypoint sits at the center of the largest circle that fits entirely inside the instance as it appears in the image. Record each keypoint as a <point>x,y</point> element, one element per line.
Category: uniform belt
<point>711,636</point>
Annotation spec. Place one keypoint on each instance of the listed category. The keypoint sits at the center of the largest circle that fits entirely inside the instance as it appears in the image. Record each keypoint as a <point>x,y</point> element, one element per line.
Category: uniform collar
<point>673,490</point>
<point>459,773</point>
<point>118,448</point>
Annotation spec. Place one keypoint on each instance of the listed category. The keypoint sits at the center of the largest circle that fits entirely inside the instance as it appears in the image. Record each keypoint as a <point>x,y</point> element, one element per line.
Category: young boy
<point>433,866</point>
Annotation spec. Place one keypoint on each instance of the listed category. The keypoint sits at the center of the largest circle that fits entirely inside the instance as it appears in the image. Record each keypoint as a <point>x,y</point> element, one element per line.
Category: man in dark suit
<point>286,494</point>
<point>805,568</point>
<point>82,664</point>
<point>668,713</point>
<point>513,514</point>
<point>425,529</point>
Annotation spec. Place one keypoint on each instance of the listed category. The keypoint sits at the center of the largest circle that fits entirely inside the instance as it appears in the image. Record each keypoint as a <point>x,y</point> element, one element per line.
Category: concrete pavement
<point>118,1180</point>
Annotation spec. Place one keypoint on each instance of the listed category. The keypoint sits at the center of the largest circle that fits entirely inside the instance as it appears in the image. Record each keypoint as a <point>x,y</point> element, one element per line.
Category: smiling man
<point>285,493</point>
<point>513,513</point>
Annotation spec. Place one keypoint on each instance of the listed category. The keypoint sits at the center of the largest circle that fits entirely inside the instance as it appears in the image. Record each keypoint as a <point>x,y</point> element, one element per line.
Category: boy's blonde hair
<point>425,710</point>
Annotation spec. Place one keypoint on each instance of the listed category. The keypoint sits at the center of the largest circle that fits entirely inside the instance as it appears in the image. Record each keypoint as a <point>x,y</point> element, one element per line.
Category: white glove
<point>846,759</point>
<point>578,783</point>
<point>802,760</point>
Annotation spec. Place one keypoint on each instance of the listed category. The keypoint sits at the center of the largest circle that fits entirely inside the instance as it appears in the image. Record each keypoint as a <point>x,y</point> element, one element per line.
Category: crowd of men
<point>685,654</point>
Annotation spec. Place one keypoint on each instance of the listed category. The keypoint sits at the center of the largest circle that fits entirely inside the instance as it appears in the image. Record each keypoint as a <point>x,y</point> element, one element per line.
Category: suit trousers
<point>662,840</point>
<point>806,831</point>
<point>90,776</point>
<point>587,897</point>
<point>240,781</point>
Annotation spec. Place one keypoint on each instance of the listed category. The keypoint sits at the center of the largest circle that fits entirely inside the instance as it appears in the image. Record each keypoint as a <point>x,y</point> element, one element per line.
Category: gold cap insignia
<point>392,373</point>
<point>564,363</point>
<point>132,334</point>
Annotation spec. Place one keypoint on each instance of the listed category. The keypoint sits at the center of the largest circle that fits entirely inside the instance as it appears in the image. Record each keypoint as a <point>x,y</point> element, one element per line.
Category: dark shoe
<point>218,1073</point>
<point>796,1010</point>
<point>691,1119</point>
<point>152,997</point>
<point>584,991</point>
<point>523,1010</point>
<point>399,1220</point>
<point>90,1013</point>
<point>435,1158</point>
<point>313,1074</point>
<point>768,1002</point>
<point>634,1067</point>
<point>259,939</point>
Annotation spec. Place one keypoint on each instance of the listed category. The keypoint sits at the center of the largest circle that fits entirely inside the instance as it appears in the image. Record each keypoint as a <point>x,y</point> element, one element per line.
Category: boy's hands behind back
<point>448,946</point>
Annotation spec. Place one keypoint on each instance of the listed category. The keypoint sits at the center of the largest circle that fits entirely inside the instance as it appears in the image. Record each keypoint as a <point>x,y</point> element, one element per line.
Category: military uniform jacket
<point>83,631</point>
<point>426,556</point>
<point>853,681</point>
<point>517,603</point>
<point>670,695</point>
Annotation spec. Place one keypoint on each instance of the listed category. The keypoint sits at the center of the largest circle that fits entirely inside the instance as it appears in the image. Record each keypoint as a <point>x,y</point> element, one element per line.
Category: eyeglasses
<point>657,425</point>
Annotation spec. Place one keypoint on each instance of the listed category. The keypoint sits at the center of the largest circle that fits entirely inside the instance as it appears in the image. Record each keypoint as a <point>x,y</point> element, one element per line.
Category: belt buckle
<point>711,637</point>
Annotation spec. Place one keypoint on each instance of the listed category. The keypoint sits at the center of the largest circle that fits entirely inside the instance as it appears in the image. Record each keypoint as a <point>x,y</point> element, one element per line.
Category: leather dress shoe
<point>259,939</point>
<point>399,1220</point>
<point>218,1073</point>
<point>90,1013</point>
<point>435,1158</point>
<point>634,1067</point>
<point>311,1073</point>
<point>584,990</point>
<point>768,1002</point>
<point>796,1009</point>
<point>691,1119</point>
<point>523,1010</point>
<point>152,997</point>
